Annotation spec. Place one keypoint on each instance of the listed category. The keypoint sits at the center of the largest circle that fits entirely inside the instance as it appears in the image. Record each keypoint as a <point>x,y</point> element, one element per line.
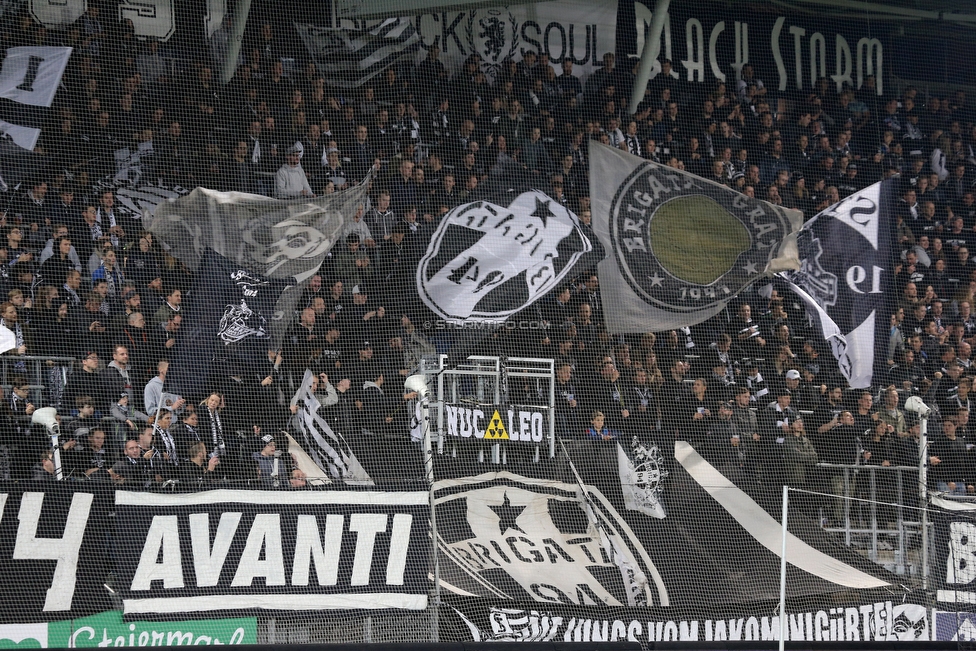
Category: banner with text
<point>497,423</point>
<point>577,30</point>
<point>955,560</point>
<point>601,526</point>
<point>109,629</point>
<point>710,44</point>
<point>53,557</point>
<point>874,622</point>
<point>238,550</point>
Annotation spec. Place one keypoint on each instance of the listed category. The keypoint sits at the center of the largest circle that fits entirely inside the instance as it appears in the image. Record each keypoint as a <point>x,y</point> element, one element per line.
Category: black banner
<point>498,423</point>
<point>955,554</point>
<point>231,550</point>
<point>627,525</point>
<point>634,530</point>
<point>53,551</point>
<point>877,621</point>
<point>709,43</point>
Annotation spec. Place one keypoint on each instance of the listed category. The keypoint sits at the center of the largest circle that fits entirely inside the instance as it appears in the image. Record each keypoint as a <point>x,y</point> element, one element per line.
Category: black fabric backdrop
<point>708,564</point>
<point>24,582</point>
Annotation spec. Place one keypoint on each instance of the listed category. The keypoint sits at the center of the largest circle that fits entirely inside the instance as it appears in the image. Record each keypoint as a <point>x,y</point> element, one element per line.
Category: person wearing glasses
<point>84,383</point>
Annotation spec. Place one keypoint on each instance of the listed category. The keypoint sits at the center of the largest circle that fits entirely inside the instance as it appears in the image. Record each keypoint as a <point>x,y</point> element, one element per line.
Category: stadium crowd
<point>750,388</point>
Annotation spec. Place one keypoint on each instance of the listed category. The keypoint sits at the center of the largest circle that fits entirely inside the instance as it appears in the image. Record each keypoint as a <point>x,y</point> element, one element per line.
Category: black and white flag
<point>135,198</point>
<point>132,165</point>
<point>642,471</point>
<point>228,321</point>
<point>327,448</point>
<point>679,247</point>
<point>270,237</point>
<point>844,277</point>
<point>349,58</point>
<point>491,258</point>
<point>29,80</point>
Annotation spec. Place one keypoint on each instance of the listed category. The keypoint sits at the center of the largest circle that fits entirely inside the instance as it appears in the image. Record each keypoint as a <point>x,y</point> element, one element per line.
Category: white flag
<point>8,340</point>
<point>29,80</point>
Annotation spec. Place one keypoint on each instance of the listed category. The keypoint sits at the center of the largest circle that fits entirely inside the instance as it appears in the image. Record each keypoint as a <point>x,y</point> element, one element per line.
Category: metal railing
<point>864,528</point>
<point>483,381</point>
<point>38,371</point>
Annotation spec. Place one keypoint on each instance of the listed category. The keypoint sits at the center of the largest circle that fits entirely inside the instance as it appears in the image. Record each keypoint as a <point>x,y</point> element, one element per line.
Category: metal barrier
<point>42,373</point>
<point>485,381</point>
<point>861,526</point>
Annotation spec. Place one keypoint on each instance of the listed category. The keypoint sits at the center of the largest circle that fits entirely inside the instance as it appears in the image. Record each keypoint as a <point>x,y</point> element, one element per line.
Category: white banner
<point>580,30</point>
<point>870,622</point>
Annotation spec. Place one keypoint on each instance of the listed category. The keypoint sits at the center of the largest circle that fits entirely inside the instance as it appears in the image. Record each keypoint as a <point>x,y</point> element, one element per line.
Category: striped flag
<point>349,58</point>
<point>29,79</point>
<point>327,448</point>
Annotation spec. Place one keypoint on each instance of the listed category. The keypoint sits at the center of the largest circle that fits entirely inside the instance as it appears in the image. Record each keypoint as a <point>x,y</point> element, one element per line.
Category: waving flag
<point>327,448</point>
<point>272,237</point>
<point>29,80</point>
<point>349,58</point>
<point>269,237</point>
<point>228,321</point>
<point>493,257</point>
<point>845,275</point>
<point>681,247</point>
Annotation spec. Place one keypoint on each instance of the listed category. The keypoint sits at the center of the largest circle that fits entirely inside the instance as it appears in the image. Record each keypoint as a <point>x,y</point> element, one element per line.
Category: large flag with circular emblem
<point>679,247</point>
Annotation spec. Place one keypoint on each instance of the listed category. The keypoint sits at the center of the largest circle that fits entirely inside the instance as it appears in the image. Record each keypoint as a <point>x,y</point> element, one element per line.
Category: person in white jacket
<point>290,181</point>
<point>939,160</point>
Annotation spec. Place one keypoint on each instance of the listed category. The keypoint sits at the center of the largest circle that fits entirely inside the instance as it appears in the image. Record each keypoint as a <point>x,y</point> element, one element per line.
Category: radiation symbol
<point>496,430</point>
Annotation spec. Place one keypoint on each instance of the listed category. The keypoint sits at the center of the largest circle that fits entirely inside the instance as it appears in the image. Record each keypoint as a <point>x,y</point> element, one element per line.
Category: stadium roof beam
<point>939,11</point>
<point>385,9</point>
<point>652,48</point>
<point>241,14</point>
<point>893,11</point>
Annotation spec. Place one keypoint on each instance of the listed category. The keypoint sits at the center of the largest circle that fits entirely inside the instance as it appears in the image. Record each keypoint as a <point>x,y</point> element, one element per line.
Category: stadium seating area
<point>753,388</point>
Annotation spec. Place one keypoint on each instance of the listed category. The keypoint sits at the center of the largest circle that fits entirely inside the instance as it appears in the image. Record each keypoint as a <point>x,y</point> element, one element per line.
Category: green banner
<point>108,629</point>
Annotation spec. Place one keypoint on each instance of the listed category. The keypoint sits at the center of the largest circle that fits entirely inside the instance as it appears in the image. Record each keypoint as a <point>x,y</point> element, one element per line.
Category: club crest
<point>663,221</point>
<point>490,259</point>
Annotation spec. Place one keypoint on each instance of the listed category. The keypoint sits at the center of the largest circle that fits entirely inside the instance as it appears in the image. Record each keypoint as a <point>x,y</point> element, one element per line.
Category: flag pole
<point>924,495</point>
<point>782,573</point>
<point>236,38</point>
<point>652,47</point>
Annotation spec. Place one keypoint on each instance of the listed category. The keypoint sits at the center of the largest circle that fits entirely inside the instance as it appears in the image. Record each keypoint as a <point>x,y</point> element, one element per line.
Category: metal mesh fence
<point>335,323</point>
